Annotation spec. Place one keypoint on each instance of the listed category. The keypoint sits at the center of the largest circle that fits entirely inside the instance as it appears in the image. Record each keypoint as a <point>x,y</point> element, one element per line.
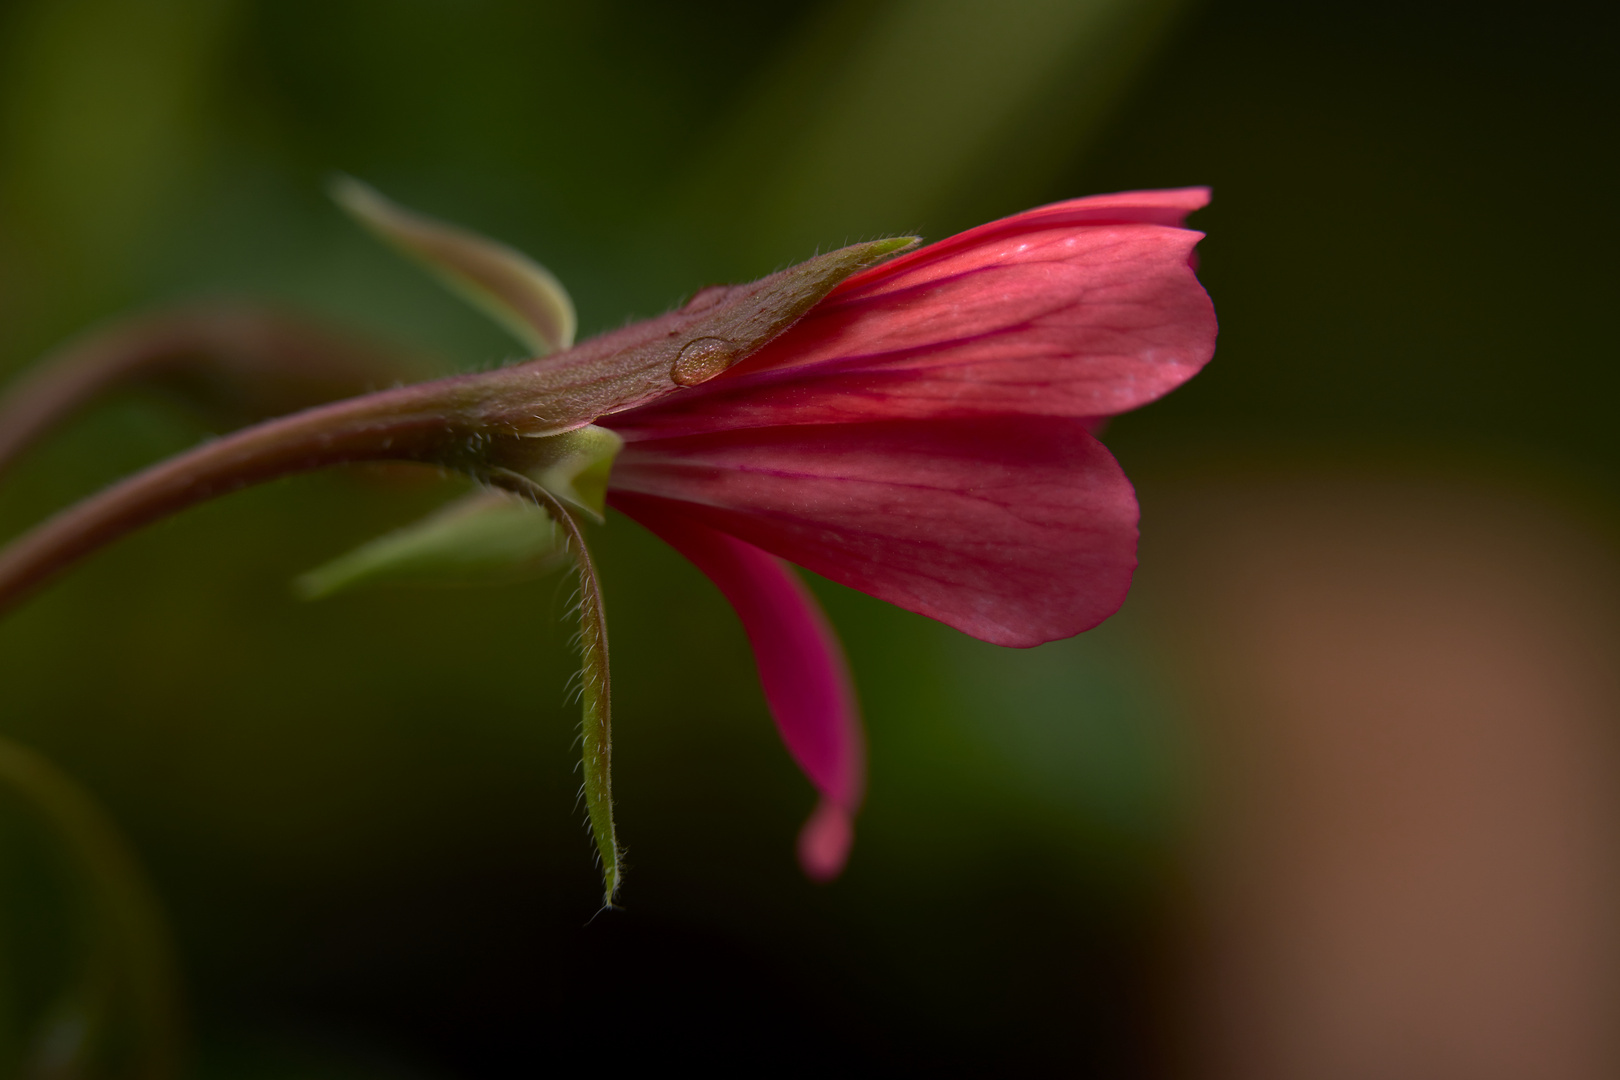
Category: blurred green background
<point>361,815</point>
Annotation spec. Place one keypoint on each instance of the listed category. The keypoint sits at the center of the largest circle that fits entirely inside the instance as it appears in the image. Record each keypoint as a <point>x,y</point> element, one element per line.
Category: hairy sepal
<point>596,730</point>
<point>627,368</point>
<point>596,715</point>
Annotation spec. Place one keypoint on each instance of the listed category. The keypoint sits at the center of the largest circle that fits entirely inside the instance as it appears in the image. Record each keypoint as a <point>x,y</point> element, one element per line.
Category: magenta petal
<point>1167,206</point>
<point>1072,320</point>
<point>801,666</point>
<point>1017,530</point>
<point>825,840</point>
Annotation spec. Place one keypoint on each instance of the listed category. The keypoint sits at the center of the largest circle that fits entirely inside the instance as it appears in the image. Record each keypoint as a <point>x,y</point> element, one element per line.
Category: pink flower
<point>920,430</point>
<point>924,435</point>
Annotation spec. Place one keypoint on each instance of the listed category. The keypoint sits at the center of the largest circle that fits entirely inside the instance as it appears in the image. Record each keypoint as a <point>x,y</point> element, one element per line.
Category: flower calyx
<point>630,367</point>
<point>574,465</point>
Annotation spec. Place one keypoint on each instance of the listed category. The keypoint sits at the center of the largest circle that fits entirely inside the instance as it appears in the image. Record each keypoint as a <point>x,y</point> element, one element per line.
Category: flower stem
<point>438,422</point>
<point>239,361</point>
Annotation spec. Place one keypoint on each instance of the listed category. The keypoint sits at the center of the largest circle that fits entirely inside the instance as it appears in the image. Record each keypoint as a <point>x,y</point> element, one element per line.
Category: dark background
<point>361,814</point>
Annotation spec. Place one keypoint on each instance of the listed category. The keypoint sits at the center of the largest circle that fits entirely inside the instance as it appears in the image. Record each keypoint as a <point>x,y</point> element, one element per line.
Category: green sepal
<point>575,466</point>
<point>630,367</point>
<point>596,727</point>
<point>519,293</point>
<point>595,685</point>
<point>490,537</point>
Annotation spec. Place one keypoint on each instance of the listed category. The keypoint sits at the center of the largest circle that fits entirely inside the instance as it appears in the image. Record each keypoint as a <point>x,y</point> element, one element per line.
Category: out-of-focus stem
<point>130,966</point>
<point>246,360</point>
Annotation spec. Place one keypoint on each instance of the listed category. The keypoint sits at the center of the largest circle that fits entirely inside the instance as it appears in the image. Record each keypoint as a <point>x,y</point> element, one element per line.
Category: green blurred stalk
<point>122,1015</point>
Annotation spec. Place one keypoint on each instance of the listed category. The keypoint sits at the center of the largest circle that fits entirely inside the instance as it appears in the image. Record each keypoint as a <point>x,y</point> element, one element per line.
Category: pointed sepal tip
<point>513,289</point>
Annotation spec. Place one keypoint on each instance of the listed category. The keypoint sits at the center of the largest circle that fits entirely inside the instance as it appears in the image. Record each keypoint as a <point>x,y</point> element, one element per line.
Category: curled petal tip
<point>825,840</point>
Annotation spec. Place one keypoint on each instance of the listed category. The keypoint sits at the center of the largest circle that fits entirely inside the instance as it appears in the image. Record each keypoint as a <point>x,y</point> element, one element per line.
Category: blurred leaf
<point>489,537</point>
<point>516,291</point>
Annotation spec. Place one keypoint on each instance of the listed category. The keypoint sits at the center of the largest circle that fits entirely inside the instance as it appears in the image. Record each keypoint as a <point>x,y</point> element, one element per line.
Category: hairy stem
<point>238,362</point>
<point>433,422</point>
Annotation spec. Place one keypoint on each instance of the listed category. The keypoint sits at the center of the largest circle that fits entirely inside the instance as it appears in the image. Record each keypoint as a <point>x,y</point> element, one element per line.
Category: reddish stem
<point>439,422</point>
<point>245,360</point>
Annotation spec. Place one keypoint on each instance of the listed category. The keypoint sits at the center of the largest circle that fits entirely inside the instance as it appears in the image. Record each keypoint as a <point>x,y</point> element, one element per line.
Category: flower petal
<point>825,840</point>
<point>1017,530</point>
<point>801,665</point>
<point>1166,206</point>
<point>1085,309</point>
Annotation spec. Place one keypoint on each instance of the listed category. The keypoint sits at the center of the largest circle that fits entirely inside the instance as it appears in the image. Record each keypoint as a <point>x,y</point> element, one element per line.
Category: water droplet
<point>701,360</point>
